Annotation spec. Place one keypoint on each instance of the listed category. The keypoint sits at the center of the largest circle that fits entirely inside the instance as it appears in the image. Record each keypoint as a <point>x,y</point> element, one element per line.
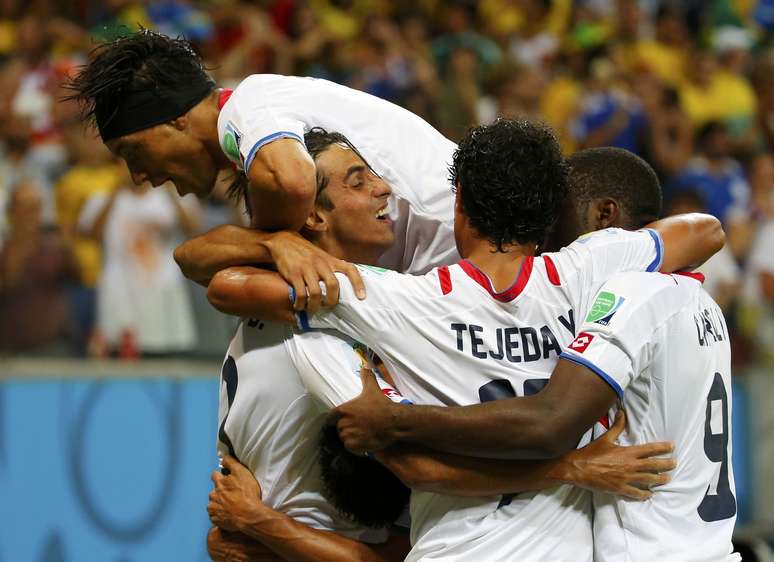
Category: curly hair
<point>512,179</point>
<point>139,61</point>
<point>360,488</point>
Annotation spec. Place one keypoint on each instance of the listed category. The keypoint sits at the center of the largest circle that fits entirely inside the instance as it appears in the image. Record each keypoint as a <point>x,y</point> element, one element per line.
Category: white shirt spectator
<point>141,289</point>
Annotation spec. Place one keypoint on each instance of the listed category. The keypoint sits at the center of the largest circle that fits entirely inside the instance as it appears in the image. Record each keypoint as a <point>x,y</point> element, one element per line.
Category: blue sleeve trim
<point>655,265</point>
<point>303,321</point>
<point>599,372</point>
<point>266,140</point>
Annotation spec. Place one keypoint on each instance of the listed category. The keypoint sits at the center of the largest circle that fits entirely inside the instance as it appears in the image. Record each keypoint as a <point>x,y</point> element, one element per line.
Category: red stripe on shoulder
<point>553,274</point>
<point>225,94</point>
<point>692,274</point>
<point>445,278</point>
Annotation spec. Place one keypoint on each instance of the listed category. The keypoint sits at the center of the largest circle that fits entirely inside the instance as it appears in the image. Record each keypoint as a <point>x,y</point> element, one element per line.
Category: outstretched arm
<point>235,505</point>
<point>601,466</point>
<point>298,261</point>
<point>545,425</point>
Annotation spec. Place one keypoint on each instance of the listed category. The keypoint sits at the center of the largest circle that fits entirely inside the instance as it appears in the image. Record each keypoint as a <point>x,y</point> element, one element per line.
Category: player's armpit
<point>249,292</point>
<point>282,189</point>
<point>689,240</point>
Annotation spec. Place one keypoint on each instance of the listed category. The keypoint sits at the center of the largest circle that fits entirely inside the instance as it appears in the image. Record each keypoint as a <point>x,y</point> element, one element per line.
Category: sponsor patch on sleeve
<point>580,343</point>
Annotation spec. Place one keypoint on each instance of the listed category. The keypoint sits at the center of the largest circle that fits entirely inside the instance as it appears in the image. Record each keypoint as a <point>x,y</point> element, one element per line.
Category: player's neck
<point>209,119</point>
<point>501,267</point>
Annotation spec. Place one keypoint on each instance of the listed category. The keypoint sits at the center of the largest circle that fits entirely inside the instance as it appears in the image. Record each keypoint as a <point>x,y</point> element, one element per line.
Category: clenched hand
<point>235,503</point>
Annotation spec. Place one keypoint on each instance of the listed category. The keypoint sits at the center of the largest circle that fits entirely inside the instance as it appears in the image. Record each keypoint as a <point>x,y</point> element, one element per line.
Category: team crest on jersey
<point>231,142</point>
<point>580,343</point>
<point>603,309</point>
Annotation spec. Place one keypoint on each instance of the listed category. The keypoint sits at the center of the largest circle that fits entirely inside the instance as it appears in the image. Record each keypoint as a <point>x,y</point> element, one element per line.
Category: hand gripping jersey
<point>449,339</point>
<point>268,420</point>
<point>661,342</point>
<point>411,156</point>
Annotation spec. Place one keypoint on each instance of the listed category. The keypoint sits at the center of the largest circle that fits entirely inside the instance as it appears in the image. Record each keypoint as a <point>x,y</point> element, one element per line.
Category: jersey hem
<point>599,372</point>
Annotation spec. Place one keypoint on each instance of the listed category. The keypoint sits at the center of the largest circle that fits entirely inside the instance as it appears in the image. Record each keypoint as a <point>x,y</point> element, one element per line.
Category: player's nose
<point>381,188</point>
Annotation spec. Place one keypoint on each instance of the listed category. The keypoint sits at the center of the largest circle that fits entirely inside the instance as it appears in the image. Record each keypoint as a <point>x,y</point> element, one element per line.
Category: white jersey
<point>268,420</point>
<point>411,156</point>
<point>448,338</point>
<point>663,340</point>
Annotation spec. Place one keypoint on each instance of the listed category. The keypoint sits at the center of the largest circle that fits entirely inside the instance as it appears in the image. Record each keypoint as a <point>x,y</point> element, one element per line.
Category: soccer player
<point>270,423</point>
<point>155,107</point>
<point>660,338</point>
<point>266,418</point>
<point>451,337</point>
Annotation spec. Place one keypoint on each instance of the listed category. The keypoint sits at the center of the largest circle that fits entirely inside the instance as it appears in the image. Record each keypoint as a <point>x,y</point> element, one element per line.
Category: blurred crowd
<point>86,260</point>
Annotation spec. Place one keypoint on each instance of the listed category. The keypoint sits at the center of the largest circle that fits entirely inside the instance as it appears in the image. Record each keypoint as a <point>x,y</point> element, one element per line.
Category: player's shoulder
<point>610,236</point>
<point>637,291</point>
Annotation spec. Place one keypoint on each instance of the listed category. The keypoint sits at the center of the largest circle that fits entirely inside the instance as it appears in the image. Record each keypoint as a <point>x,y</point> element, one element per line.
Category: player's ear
<point>605,213</point>
<point>317,221</point>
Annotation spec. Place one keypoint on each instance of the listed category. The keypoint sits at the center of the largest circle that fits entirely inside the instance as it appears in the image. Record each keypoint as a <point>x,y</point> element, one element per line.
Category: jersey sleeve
<point>595,257</point>
<point>329,365</point>
<point>251,121</point>
<point>617,337</point>
<point>362,319</point>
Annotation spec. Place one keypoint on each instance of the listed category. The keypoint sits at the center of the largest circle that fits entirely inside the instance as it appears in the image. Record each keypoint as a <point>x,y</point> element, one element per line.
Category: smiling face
<point>349,220</point>
<point>167,152</point>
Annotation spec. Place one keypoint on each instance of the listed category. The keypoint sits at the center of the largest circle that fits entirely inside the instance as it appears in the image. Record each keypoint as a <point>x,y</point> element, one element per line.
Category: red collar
<point>508,294</point>
<point>225,94</point>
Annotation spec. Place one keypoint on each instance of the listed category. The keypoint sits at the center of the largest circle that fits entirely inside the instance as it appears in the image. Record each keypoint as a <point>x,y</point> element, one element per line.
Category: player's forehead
<point>121,145</point>
<point>337,160</point>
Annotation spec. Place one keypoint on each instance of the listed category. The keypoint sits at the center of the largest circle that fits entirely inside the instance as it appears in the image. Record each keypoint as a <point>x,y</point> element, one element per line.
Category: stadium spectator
<point>721,273</point>
<point>35,265</point>
<point>721,182</point>
<point>142,302</point>
<point>93,171</point>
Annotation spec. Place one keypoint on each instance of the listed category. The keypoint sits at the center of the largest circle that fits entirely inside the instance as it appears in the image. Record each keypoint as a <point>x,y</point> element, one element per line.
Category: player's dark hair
<point>620,175</point>
<point>512,179</point>
<point>144,60</point>
<point>360,488</point>
<point>317,141</point>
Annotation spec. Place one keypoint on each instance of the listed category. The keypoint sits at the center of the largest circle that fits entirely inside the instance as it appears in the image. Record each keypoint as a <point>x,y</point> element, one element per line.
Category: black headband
<point>143,109</point>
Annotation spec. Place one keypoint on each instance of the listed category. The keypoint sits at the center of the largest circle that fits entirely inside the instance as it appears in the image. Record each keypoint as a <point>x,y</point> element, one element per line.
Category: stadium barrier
<point>109,461</point>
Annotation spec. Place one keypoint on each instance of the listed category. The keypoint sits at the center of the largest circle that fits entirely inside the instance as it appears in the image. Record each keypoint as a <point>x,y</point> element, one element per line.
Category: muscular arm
<point>282,185</point>
<point>200,258</point>
<point>544,425</point>
<point>251,293</point>
<point>297,542</point>
<point>235,505</point>
<point>689,240</point>
<point>602,465</point>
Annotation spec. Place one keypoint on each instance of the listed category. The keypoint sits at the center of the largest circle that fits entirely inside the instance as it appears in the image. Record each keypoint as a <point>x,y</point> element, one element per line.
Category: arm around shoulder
<point>249,292</point>
<point>689,240</point>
